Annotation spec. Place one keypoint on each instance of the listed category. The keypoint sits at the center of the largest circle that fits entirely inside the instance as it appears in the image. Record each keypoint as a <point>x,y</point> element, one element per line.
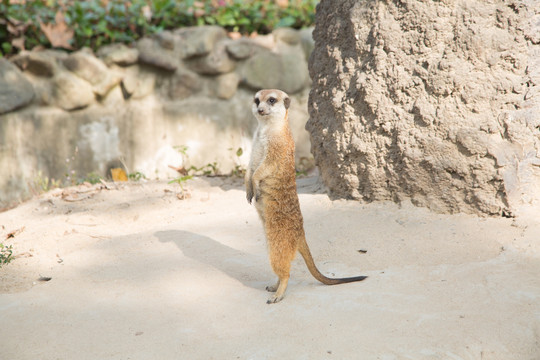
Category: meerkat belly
<point>257,155</point>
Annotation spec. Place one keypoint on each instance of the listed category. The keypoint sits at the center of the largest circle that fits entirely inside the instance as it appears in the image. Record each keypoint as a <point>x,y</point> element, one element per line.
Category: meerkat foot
<point>272,288</point>
<point>274,299</point>
<point>281,286</point>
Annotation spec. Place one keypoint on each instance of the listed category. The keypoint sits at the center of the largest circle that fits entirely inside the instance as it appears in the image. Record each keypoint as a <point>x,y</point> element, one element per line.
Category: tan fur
<point>271,180</point>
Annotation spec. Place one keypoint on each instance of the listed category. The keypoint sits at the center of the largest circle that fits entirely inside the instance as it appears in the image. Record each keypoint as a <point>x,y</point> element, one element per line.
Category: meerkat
<point>271,180</point>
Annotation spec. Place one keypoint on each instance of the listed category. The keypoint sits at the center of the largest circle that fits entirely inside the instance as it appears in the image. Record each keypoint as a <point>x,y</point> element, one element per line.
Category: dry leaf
<point>14,233</point>
<point>235,35</point>
<point>58,34</point>
<point>118,174</point>
<point>181,170</point>
<point>19,43</point>
<point>16,27</point>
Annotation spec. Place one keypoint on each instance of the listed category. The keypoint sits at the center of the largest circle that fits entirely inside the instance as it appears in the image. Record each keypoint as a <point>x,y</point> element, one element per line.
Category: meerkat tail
<point>308,258</point>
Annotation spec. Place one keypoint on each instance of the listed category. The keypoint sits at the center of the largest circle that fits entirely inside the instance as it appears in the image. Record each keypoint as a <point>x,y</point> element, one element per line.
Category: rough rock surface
<point>438,102</point>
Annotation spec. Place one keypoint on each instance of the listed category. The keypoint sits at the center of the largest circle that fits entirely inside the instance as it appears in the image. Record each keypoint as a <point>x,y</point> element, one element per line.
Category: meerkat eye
<point>272,101</point>
<point>256,101</point>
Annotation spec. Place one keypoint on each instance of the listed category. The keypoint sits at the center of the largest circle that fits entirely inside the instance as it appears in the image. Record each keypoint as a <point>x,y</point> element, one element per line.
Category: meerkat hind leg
<point>280,291</point>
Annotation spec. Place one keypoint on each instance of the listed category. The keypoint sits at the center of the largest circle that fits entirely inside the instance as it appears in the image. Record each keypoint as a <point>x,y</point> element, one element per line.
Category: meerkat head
<point>270,104</point>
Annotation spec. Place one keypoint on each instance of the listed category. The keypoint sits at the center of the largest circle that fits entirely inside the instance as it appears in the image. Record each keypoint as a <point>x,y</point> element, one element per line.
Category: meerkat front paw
<point>249,195</point>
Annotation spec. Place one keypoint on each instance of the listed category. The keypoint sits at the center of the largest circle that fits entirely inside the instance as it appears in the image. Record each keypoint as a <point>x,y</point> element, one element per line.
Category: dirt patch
<point>134,266</point>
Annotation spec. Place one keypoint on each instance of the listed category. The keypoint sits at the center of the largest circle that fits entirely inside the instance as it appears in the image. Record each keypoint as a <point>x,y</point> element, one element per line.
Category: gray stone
<point>85,65</point>
<point>15,90</point>
<point>286,71</point>
<point>138,81</point>
<point>307,42</point>
<point>226,85</point>
<point>118,54</point>
<point>240,49</point>
<point>200,40</point>
<point>166,39</point>
<point>216,62</point>
<point>287,35</point>
<point>263,71</point>
<point>71,92</point>
<point>182,84</point>
<point>152,53</point>
<point>40,63</point>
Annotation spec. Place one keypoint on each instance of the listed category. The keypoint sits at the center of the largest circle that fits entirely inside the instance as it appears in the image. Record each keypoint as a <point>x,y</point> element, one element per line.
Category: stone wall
<point>437,102</point>
<point>77,113</point>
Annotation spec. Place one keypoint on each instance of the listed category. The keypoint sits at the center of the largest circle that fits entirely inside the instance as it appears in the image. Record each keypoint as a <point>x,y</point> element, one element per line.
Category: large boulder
<point>436,102</point>
<point>40,63</point>
<point>286,71</point>
<point>85,65</point>
<point>71,92</point>
<point>199,41</point>
<point>118,54</point>
<point>159,52</point>
<point>15,90</point>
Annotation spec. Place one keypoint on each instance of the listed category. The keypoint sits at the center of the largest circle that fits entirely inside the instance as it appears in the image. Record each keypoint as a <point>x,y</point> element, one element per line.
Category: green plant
<point>136,176</point>
<point>92,178</point>
<point>304,165</point>
<point>239,170</point>
<point>182,149</point>
<point>73,24</point>
<point>6,254</point>
<point>210,169</point>
<point>43,184</point>
<point>181,181</point>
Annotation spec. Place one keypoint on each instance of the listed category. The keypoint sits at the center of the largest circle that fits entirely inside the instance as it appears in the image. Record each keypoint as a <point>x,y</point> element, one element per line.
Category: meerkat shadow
<point>236,264</point>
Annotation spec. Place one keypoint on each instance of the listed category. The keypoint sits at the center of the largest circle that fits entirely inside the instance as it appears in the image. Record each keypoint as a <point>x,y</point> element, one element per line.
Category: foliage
<point>6,254</point>
<point>239,170</point>
<point>92,178</point>
<point>43,183</point>
<point>182,180</point>
<point>210,169</point>
<point>136,176</point>
<point>71,24</point>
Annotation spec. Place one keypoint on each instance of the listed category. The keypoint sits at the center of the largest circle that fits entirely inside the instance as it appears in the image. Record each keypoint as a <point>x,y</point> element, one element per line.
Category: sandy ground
<point>137,273</point>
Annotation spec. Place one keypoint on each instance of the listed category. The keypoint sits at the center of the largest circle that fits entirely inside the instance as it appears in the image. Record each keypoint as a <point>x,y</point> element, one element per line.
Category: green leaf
<point>286,22</point>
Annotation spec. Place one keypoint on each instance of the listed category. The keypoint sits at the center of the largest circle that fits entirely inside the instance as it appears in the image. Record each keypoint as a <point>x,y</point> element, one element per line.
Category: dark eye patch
<point>272,100</point>
<point>257,101</point>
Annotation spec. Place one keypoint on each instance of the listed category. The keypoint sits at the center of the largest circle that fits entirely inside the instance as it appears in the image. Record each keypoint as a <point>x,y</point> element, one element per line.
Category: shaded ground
<point>137,273</point>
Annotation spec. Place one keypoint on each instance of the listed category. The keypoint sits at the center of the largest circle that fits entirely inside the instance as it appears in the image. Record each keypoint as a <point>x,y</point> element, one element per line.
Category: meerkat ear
<point>287,102</point>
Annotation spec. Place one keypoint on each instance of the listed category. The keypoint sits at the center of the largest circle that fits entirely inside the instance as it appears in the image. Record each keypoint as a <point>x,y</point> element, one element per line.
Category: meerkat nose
<point>260,111</point>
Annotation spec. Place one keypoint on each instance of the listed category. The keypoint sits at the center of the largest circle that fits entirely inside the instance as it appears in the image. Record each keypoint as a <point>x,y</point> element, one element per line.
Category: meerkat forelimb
<point>271,181</point>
